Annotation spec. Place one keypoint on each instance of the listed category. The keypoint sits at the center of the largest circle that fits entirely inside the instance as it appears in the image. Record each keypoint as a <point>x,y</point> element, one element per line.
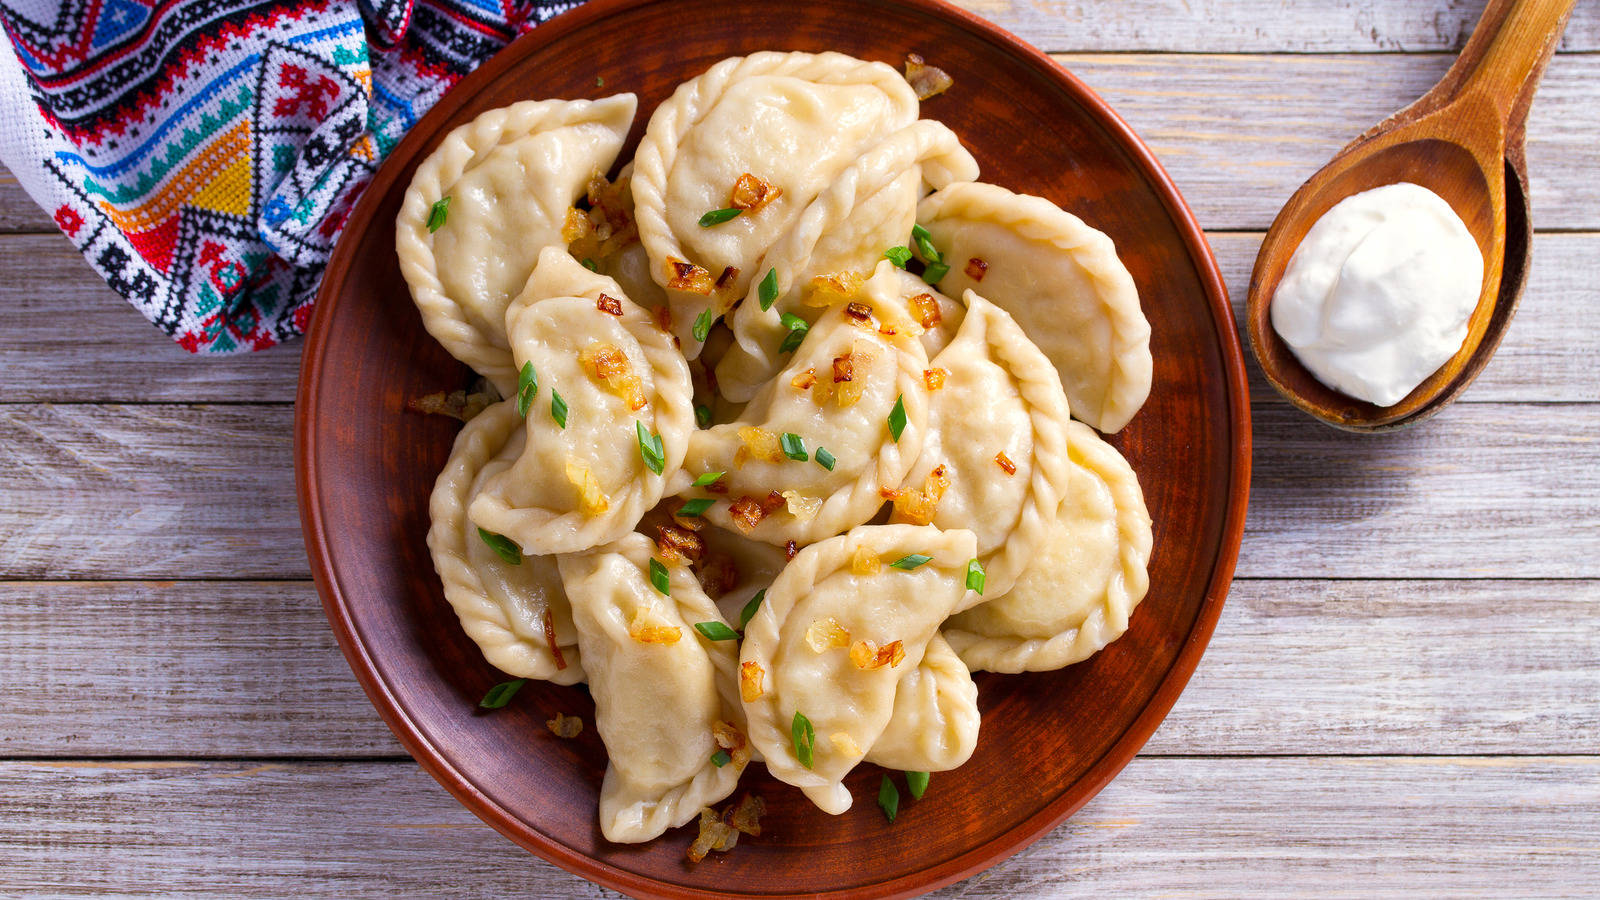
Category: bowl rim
<point>1024,832</point>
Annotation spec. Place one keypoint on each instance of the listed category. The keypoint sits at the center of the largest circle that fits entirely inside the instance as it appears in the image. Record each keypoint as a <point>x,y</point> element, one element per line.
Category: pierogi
<point>789,448</point>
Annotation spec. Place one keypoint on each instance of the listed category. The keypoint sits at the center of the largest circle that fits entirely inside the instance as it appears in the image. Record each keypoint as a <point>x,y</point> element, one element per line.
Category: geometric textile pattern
<point>204,154</point>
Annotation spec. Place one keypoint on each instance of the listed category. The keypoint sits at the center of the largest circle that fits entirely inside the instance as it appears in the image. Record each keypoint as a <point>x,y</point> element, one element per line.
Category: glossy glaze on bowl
<point>1050,741</point>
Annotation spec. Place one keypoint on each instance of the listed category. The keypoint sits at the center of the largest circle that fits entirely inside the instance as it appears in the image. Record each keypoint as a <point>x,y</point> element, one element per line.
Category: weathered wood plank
<point>1239,134</point>
<point>17,210</point>
<point>54,299</point>
<point>1255,26</point>
<point>1334,827</point>
<point>68,337</point>
<point>1549,352</point>
<point>1484,490</point>
<point>148,491</point>
<point>1360,667</point>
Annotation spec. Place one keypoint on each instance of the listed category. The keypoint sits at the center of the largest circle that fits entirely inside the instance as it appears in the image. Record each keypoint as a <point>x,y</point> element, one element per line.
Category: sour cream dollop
<point>1377,296</point>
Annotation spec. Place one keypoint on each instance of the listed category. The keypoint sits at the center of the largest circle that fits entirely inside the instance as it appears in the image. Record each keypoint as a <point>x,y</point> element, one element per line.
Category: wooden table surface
<point>1403,693</point>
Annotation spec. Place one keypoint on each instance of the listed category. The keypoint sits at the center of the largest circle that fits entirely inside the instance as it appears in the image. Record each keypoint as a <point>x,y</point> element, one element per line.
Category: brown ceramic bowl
<point>1049,741</point>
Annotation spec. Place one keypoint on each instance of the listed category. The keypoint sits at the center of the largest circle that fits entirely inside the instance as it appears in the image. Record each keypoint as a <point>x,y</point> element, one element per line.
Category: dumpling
<point>509,176</point>
<point>838,394</point>
<point>1063,283</point>
<point>663,691</point>
<point>832,641</point>
<point>842,235</point>
<point>766,133</point>
<point>995,458</point>
<point>517,614</point>
<point>584,477</point>
<point>736,568</point>
<point>617,251</point>
<point>1076,595</point>
<point>934,726</point>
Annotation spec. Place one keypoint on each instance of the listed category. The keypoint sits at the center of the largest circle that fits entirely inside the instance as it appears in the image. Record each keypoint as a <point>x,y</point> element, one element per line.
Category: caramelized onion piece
<point>867,655</point>
<point>804,380</point>
<point>761,444</point>
<point>714,835</point>
<point>845,744</point>
<point>801,507</point>
<point>718,574</point>
<point>563,726</point>
<point>592,500</point>
<point>752,194</point>
<point>746,817</point>
<point>750,677</point>
<point>976,269</point>
<point>646,631</point>
<point>679,544</point>
<point>824,634</point>
<point>725,281</point>
<point>682,276</point>
<point>1005,463</point>
<point>925,309</point>
<point>608,366</point>
<point>456,404</point>
<point>833,289</point>
<point>934,378</point>
<point>609,305</point>
<point>918,506</point>
<point>865,562</point>
<point>731,739</point>
<point>550,639</point>
<point>928,81</point>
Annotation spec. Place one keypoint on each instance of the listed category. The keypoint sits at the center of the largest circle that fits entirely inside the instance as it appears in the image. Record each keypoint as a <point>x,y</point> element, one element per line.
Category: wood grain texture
<point>147,491</point>
<point>1254,26</point>
<point>1487,490</point>
<point>1240,133</point>
<point>249,669</point>
<point>1332,827</point>
<point>18,213</point>
<point>53,298</point>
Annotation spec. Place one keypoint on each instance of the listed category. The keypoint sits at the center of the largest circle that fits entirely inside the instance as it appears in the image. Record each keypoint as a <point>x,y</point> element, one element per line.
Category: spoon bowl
<point>1463,140</point>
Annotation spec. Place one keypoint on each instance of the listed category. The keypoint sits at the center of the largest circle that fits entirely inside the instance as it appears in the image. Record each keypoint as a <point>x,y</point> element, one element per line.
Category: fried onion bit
<point>867,655</point>
<point>688,277</point>
<point>927,81</point>
<point>751,193</point>
<point>563,726</point>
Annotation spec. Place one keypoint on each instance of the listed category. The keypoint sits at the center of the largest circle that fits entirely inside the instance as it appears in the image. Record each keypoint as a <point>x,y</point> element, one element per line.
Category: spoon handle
<point>1523,34</point>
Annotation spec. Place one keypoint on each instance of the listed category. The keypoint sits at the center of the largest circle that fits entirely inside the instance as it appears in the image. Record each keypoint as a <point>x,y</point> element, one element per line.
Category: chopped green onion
<point>702,415</point>
<point>438,213</point>
<point>506,547</point>
<point>599,81</point>
<point>804,738</point>
<point>897,418</point>
<point>797,332</point>
<point>910,561</point>
<point>708,478</point>
<point>702,325</point>
<point>794,446</point>
<point>659,578</point>
<point>975,576</point>
<point>720,758</point>
<point>918,783</point>
<point>749,611</point>
<point>695,507</point>
<point>590,264</point>
<point>558,408</point>
<point>930,253</point>
<point>527,388</point>
<point>888,798</point>
<point>935,272</point>
<point>650,448</point>
<point>825,459</point>
<point>718,216</point>
<point>716,631</point>
<point>898,255</point>
<point>501,694</point>
<point>769,289</point>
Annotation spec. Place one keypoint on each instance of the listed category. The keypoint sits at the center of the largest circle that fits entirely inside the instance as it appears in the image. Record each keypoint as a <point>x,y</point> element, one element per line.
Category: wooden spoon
<point>1463,140</point>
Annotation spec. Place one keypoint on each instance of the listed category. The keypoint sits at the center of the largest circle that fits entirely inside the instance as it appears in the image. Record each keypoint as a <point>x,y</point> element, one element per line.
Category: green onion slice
<point>898,255</point>
<point>590,264</point>
<point>888,798</point>
<point>504,546</point>
<point>794,446</point>
<point>749,611</point>
<point>702,415</point>
<point>975,576</point>
<point>501,694</point>
<point>918,783</point>
<point>720,758</point>
<point>702,325</point>
<point>438,213</point>
<point>897,418</point>
<point>718,216</point>
<point>769,289</point>
<point>716,631</point>
<point>651,449</point>
<point>911,561</point>
<point>659,578</point>
<point>558,408</point>
<point>935,272</point>
<point>527,388</point>
<point>924,241</point>
<point>708,478</point>
<point>825,459</point>
<point>804,738</point>
<point>797,332</point>
<point>695,507</point>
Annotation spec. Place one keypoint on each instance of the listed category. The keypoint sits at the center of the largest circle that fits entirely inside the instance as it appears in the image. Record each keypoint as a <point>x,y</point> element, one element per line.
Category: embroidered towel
<point>203,154</point>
